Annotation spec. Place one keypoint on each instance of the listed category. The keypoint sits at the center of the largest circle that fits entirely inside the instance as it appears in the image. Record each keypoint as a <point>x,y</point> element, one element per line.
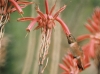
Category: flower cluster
<point>71,64</point>
<point>90,50</point>
<point>47,19</point>
<point>46,22</point>
<point>93,26</point>
<point>7,7</point>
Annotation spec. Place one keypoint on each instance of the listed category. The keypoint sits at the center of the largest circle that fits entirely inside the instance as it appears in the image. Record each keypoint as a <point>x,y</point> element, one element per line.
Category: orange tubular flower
<point>9,6</point>
<point>93,26</point>
<point>71,64</point>
<point>46,20</point>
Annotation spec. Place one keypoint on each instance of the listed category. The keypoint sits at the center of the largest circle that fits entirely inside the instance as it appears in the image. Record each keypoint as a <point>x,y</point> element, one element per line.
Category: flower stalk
<point>46,23</point>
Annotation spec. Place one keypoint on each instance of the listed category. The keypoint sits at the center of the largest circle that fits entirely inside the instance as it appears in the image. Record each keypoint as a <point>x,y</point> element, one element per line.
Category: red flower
<point>71,65</point>
<point>46,22</point>
<point>8,6</point>
<point>47,19</point>
<point>93,26</point>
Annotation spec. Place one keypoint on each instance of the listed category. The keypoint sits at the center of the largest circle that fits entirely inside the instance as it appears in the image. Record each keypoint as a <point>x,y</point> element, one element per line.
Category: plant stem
<point>40,69</point>
<point>41,63</point>
<point>45,43</point>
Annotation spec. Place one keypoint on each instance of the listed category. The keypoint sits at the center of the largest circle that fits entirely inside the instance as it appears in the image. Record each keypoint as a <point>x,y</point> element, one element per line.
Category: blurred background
<point>22,52</point>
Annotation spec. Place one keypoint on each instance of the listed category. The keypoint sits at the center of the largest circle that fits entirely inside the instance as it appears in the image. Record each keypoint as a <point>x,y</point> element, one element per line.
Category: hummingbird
<point>76,51</point>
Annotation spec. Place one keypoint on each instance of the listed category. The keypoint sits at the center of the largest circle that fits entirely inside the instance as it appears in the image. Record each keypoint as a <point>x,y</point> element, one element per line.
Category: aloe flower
<point>71,65</point>
<point>46,22</point>
<point>7,7</point>
<point>47,19</point>
<point>93,26</point>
